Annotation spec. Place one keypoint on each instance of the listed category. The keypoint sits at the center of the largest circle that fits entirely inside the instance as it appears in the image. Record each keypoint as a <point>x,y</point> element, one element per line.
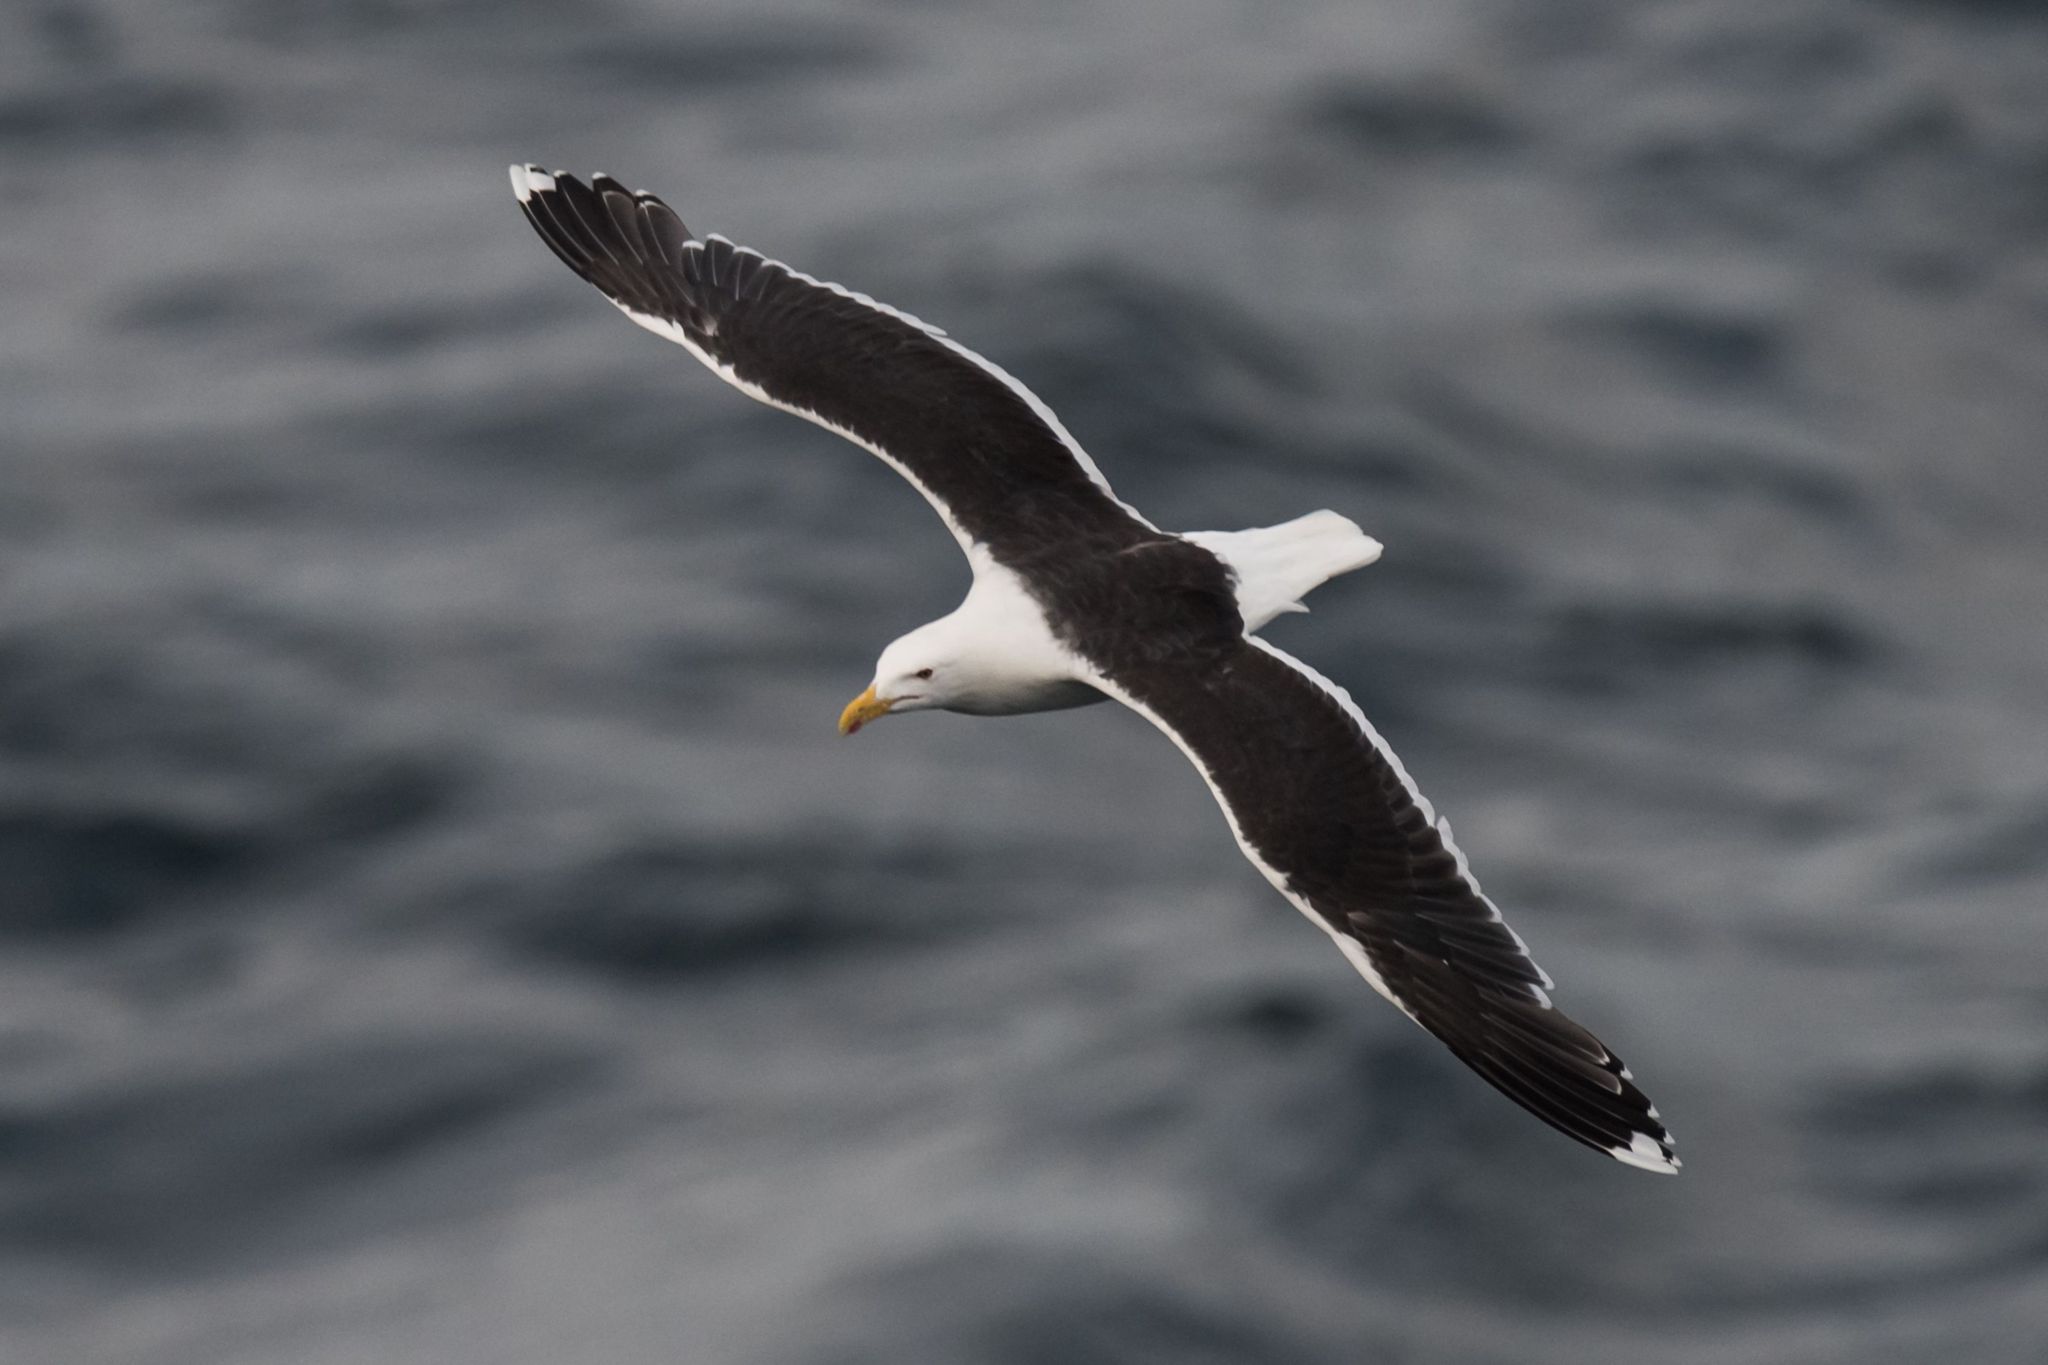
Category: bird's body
<point>1077,598</point>
<point>1015,658</point>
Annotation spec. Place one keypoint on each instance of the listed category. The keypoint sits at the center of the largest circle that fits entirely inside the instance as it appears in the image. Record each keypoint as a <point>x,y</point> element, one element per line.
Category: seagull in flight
<point>1077,598</point>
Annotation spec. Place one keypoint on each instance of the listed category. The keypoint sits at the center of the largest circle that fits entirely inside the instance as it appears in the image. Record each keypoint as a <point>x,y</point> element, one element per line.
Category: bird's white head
<point>923,671</point>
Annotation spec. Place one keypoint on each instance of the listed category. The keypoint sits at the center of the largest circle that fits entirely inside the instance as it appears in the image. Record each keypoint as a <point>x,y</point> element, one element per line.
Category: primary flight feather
<point>1076,598</point>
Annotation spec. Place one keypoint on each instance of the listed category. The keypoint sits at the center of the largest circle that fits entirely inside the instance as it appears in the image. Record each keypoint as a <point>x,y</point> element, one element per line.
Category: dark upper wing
<point>981,447</point>
<point>1325,810</point>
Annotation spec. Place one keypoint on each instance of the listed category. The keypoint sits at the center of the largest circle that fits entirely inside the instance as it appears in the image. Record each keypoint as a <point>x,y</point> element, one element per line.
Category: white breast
<point>1015,662</point>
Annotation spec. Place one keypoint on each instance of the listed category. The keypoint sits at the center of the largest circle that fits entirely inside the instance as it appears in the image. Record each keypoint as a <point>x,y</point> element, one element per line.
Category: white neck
<point>1004,656</point>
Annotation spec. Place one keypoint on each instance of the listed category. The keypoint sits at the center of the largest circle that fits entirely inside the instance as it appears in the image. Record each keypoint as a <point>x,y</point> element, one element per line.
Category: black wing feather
<point>973,439</point>
<point>1315,796</point>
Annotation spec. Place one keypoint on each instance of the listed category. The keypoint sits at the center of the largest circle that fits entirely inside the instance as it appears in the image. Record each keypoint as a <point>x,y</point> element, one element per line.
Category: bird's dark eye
<point>924,673</point>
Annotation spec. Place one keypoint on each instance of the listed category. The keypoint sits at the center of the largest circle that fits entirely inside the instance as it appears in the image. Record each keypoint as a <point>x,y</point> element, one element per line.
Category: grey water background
<point>438,921</point>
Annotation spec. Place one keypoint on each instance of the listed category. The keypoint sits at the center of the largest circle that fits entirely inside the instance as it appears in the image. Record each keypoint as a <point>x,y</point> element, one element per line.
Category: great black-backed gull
<point>1076,598</point>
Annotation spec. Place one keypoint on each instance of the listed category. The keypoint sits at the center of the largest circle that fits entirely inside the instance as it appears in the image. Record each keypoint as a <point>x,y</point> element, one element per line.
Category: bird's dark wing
<point>984,451</point>
<point>1323,808</point>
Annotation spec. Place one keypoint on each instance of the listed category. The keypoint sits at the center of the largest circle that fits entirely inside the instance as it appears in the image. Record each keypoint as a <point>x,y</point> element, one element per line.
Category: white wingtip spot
<point>528,181</point>
<point>1645,1154</point>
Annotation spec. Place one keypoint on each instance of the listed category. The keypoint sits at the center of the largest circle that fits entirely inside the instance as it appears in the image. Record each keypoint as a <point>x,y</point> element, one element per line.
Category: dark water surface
<point>440,923</point>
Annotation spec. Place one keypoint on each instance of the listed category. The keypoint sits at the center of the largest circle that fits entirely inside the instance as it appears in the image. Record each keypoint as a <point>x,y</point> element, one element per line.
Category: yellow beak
<point>862,709</point>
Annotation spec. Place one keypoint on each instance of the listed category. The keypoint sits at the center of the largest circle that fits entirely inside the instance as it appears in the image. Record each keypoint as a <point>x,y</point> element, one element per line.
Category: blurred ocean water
<point>442,924</point>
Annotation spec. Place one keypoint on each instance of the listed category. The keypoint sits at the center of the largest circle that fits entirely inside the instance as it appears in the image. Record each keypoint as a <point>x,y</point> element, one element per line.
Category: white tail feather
<point>1277,565</point>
